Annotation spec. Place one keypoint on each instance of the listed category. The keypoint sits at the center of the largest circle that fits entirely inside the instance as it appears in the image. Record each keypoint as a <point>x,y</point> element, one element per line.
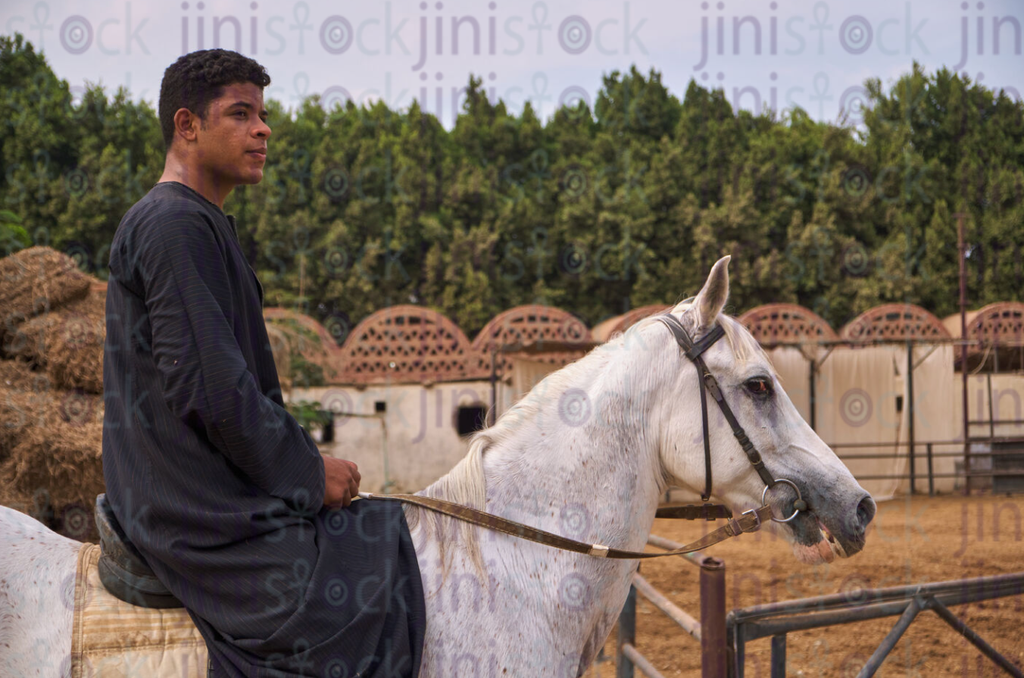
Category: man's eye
<point>759,386</point>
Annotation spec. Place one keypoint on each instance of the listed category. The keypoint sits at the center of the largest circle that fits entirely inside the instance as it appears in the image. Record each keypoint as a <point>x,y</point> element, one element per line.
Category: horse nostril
<point>865,511</point>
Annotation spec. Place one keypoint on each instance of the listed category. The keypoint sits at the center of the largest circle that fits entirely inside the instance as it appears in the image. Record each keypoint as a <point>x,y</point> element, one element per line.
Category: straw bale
<point>50,451</point>
<point>21,375</point>
<point>62,458</point>
<point>36,505</point>
<point>38,280</point>
<point>68,341</point>
<point>35,407</point>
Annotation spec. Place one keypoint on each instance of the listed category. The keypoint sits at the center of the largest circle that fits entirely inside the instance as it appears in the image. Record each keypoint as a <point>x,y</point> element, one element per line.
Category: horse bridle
<point>707,382</point>
<point>749,521</point>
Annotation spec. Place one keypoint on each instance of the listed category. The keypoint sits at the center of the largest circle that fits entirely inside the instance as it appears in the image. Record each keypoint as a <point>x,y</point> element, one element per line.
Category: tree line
<point>595,211</point>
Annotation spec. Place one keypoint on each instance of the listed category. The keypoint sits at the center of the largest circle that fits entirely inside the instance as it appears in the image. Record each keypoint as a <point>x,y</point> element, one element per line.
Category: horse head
<point>838,510</point>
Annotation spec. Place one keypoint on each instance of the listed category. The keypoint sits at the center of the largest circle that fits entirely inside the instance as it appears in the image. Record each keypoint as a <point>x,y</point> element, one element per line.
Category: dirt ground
<point>911,541</point>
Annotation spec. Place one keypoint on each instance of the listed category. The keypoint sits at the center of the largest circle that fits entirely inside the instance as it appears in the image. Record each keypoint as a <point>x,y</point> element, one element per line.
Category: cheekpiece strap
<point>707,382</point>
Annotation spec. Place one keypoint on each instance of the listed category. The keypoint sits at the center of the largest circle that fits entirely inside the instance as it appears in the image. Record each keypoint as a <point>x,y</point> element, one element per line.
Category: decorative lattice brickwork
<point>894,322</point>
<point>529,327</point>
<point>405,344</point>
<point>774,324</point>
<point>1002,322</point>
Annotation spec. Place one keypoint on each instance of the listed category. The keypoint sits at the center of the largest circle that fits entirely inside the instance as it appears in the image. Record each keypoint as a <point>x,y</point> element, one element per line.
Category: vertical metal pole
<point>962,248</point>
<point>813,392</point>
<point>991,410</point>
<point>931,473</point>
<point>910,413</point>
<point>627,634</point>
<point>779,656</point>
<point>740,660</point>
<point>384,451</point>
<point>712,619</point>
<point>995,347</point>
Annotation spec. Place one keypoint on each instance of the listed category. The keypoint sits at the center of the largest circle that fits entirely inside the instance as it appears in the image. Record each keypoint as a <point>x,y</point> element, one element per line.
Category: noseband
<point>707,382</point>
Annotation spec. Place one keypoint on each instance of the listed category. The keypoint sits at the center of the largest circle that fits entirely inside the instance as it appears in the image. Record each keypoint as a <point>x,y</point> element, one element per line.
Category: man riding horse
<point>221,490</point>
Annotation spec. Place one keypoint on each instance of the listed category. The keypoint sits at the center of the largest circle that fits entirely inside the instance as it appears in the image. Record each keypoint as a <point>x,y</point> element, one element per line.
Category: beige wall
<point>422,443</point>
<point>857,390</point>
<point>1007,402</point>
<point>795,376</point>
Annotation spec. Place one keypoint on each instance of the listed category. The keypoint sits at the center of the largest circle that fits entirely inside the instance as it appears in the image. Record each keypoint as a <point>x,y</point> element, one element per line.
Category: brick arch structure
<point>530,326</point>
<point>299,333</point>
<point>405,344</point>
<point>1001,322</point>
<point>894,322</point>
<point>303,320</point>
<point>773,324</point>
<point>620,323</point>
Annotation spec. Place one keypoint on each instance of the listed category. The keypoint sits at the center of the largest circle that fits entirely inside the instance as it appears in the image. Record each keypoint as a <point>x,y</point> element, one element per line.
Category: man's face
<point>232,140</point>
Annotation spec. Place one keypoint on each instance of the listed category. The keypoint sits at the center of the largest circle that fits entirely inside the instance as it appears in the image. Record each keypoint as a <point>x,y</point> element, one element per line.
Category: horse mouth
<point>816,544</point>
<point>833,544</point>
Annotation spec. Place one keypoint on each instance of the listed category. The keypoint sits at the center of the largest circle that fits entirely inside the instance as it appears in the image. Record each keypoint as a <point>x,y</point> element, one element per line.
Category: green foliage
<point>304,373</point>
<point>308,413</point>
<point>13,235</point>
<point>597,211</point>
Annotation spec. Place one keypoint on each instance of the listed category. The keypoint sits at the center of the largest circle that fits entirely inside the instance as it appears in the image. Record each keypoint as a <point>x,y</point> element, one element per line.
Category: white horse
<point>587,454</point>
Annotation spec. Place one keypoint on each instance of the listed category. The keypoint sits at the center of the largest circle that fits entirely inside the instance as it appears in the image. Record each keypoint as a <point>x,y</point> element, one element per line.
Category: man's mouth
<point>262,155</point>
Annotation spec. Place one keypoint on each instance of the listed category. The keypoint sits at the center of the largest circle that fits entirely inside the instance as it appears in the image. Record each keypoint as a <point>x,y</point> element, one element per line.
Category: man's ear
<point>186,124</point>
<point>712,297</point>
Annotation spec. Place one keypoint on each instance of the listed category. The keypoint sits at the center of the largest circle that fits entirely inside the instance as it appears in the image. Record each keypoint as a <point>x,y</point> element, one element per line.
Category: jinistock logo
<point>899,34</point>
<point>435,32</point>
<point>856,34</point>
<point>113,35</point>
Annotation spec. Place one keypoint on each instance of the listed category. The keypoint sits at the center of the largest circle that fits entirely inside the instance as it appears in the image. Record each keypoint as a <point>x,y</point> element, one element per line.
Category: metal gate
<point>775,620</point>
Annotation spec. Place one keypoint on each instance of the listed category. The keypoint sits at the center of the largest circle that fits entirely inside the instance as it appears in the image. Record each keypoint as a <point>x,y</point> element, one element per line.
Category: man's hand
<point>341,481</point>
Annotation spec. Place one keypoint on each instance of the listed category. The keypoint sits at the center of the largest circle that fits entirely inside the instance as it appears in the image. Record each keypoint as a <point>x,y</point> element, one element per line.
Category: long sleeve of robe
<point>218,486</point>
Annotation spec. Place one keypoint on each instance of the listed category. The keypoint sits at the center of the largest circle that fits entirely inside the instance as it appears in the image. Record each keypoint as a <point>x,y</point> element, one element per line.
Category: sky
<point>776,54</point>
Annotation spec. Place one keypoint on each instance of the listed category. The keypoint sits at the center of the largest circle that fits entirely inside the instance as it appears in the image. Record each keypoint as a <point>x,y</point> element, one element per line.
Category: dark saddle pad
<point>123,570</point>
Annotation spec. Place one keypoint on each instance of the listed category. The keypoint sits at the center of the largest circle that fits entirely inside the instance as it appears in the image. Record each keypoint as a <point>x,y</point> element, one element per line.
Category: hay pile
<point>51,381</point>
<point>38,280</point>
<point>68,341</point>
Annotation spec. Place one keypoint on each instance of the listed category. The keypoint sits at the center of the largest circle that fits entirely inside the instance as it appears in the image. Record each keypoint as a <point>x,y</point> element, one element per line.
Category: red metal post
<point>714,651</point>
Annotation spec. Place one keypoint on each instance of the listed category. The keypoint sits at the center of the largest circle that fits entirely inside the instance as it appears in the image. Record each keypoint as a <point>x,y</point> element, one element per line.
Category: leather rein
<point>749,521</point>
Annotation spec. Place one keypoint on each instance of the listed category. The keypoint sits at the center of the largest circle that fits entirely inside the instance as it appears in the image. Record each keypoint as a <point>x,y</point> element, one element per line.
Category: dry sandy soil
<point>911,541</point>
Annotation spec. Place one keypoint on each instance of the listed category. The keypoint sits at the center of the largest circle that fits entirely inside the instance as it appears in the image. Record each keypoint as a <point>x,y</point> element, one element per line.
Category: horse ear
<point>712,297</point>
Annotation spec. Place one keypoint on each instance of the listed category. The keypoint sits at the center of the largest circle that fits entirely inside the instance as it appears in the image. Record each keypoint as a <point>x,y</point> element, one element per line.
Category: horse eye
<point>759,386</point>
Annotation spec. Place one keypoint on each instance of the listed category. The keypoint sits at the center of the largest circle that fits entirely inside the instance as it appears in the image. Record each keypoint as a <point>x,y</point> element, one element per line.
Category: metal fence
<point>1009,450</point>
<point>723,637</point>
<point>710,631</point>
<point>776,620</point>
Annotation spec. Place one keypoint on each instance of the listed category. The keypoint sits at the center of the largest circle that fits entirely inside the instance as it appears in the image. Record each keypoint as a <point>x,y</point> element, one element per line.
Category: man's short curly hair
<point>197,78</point>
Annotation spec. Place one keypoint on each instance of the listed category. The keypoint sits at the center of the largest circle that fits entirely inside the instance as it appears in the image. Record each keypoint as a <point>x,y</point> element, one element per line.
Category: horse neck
<point>598,476</point>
